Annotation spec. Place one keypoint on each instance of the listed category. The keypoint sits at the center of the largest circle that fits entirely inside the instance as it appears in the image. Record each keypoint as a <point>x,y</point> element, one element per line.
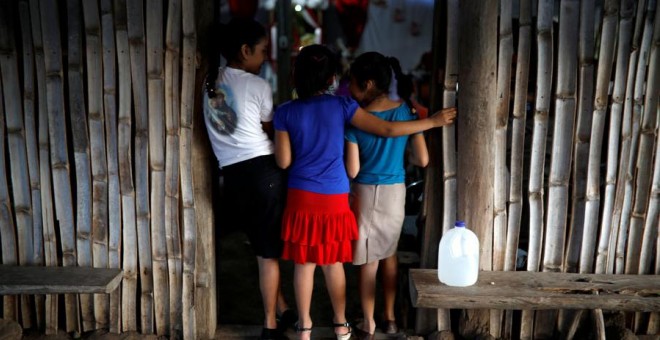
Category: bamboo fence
<point>97,154</point>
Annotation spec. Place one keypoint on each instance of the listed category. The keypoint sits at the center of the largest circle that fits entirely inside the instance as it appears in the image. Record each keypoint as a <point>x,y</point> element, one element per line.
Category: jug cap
<point>460,224</point>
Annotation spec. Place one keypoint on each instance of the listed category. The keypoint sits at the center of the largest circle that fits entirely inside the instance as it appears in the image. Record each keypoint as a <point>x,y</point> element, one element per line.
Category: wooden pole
<point>135,16</point>
<point>7,227</point>
<point>59,156</point>
<point>18,163</point>
<point>205,297</point>
<point>172,118</point>
<point>114,198</point>
<point>537,161</point>
<point>429,320</point>
<point>185,152</point>
<point>78,121</point>
<point>96,116</point>
<point>284,50</point>
<point>562,141</point>
<point>500,148</point>
<point>517,147</point>
<point>605,60</point>
<point>638,98</point>
<point>645,153</point>
<point>582,134</point>
<point>476,99</point>
<point>129,304</point>
<point>606,252</point>
<point>50,237</point>
<point>651,221</point>
<point>32,149</point>
<point>156,95</point>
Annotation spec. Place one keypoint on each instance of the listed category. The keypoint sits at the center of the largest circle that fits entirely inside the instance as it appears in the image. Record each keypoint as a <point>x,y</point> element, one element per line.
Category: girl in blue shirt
<point>376,165</point>
<point>318,226</point>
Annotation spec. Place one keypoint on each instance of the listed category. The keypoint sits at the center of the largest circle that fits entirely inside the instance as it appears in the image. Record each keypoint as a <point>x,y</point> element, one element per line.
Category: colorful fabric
<point>318,228</point>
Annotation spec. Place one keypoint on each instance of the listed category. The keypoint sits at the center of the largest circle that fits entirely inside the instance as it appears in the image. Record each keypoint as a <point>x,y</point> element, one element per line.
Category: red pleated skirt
<point>318,228</point>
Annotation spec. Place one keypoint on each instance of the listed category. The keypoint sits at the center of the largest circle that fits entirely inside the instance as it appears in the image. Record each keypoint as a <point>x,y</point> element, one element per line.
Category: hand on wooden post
<point>444,117</point>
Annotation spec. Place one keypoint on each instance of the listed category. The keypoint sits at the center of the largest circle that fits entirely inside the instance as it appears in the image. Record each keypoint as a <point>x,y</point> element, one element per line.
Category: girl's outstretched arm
<point>420,154</point>
<point>365,121</point>
<point>282,149</point>
<point>352,161</point>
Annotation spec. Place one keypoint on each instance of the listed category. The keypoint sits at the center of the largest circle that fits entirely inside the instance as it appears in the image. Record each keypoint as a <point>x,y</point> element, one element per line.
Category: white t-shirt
<point>233,118</point>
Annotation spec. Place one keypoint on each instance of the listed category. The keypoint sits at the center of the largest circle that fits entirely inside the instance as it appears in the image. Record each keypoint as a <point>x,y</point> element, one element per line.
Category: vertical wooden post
<point>283,50</point>
<point>475,133</point>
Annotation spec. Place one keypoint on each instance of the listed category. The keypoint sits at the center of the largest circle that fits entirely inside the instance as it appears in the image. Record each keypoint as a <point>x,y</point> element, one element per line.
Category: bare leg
<point>389,279</point>
<point>303,283</point>
<point>269,284</point>
<point>367,285</point>
<point>335,282</point>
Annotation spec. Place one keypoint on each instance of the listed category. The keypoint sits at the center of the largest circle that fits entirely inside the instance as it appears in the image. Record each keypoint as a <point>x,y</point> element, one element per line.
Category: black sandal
<point>272,334</point>
<point>288,319</point>
<point>302,329</point>
<point>344,336</point>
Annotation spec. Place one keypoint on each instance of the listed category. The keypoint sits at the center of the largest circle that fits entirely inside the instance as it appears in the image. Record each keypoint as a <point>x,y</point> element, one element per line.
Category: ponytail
<point>404,87</point>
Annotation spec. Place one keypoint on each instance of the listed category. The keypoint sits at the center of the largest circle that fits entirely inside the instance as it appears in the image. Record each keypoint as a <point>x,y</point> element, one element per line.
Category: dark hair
<point>232,36</point>
<point>313,70</point>
<point>378,68</point>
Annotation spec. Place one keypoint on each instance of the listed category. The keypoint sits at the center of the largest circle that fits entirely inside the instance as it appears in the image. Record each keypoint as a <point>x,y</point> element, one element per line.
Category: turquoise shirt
<point>381,158</point>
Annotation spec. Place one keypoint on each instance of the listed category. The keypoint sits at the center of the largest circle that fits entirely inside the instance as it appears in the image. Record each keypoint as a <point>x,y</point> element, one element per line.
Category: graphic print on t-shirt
<point>222,116</point>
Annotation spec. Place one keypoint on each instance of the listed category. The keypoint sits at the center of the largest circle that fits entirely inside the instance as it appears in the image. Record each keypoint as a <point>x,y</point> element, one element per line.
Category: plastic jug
<point>458,257</point>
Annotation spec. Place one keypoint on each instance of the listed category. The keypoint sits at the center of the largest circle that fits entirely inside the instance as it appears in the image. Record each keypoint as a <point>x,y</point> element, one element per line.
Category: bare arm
<point>352,161</point>
<point>268,129</point>
<point>365,121</point>
<point>420,154</point>
<point>282,149</point>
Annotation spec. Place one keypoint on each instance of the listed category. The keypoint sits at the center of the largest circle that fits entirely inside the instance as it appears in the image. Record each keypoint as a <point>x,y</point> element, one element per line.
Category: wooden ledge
<point>538,290</point>
<point>58,280</point>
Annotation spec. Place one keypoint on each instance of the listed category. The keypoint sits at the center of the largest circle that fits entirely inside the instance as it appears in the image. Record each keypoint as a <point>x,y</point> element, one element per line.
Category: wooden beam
<point>538,290</point>
<point>58,280</point>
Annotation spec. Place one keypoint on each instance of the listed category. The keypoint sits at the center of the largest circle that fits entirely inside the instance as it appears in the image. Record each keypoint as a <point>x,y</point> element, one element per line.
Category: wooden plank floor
<point>57,280</point>
<point>538,290</point>
<point>235,332</point>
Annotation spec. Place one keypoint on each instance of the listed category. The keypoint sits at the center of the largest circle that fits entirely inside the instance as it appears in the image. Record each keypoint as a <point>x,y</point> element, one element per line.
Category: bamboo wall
<point>97,142</point>
<point>577,177</point>
<point>96,151</point>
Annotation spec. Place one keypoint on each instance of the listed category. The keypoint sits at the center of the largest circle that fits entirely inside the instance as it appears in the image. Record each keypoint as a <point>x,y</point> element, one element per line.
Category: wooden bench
<point>538,290</point>
<point>58,280</point>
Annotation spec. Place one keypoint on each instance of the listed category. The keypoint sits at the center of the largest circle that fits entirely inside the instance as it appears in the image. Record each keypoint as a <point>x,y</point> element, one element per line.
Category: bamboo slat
<point>539,134</point>
<point>562,143</point>
<point>582,134</point>
<point>78,116</point>
<point>618,100</point>
<point>651,221</point>
<point>604,71</point>
<point>59,157</point>
<point>114,198</point>
<point>172,117</point>
<point>18,163</point>
<point>449,134</point>
<point>638,98</point>
<point>156,97</point>
<point>50,237</point>
<point>504,61</point>
<point>648,129</point>
<point>96,123</point>
<point>7,227</point>
<point>135,16</point>
<point>124,154</point>
<point>607,252</point>
<point>187,188</point>
<point>32,149</point>
<point>517,148</point>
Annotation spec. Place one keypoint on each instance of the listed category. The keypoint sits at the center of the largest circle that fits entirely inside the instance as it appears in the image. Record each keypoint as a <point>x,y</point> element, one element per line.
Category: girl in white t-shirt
<point>238,112</point>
